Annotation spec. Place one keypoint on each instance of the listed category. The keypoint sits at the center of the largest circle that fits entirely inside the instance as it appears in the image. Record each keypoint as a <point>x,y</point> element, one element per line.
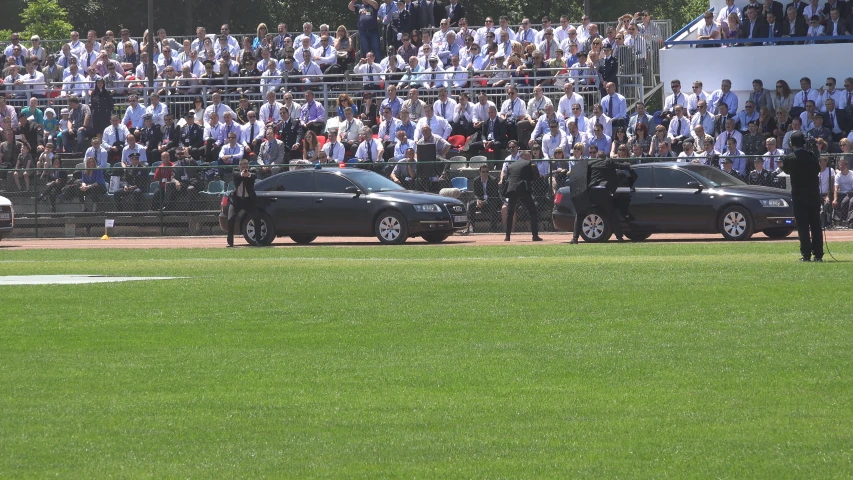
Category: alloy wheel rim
<point>735,224</point>
<point>389,228</point>
<point>593,226</point>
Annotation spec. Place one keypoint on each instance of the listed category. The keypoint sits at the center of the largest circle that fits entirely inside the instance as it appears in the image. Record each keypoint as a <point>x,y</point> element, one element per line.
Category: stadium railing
<point>171,212</point>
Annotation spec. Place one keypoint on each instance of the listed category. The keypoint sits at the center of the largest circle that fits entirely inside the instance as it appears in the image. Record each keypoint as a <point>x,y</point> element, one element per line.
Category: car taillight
<point>342,164</point>
<point>558,198</point>
<point>224,202</point>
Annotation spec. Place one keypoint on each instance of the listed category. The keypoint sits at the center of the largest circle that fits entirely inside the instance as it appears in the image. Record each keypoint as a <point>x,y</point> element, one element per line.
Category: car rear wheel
<point>778,232</point>
<point>637,236</point>
<point>435,237</point>
<point>303,239</point>
<point>267,230</point>
<point>390,228</point>
<point>736,224</point>
<point>594,227</point>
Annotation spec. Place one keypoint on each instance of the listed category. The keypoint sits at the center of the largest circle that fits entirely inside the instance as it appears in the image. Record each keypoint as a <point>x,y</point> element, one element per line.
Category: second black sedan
<point>305,204</point>
<point>685,198</point>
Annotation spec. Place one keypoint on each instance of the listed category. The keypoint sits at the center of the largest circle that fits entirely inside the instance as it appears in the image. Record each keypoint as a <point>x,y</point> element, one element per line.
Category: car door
<point>289,199</point>
<point>336,211</point>
<point>679,207</point>
<point>641,207</point>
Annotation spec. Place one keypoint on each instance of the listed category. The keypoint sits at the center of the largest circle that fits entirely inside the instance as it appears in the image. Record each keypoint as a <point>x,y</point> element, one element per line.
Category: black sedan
<point>305,204</point>
<point>685,198</point>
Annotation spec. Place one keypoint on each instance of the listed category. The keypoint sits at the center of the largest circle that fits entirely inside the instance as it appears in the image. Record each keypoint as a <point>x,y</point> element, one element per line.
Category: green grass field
<point>723,360</point>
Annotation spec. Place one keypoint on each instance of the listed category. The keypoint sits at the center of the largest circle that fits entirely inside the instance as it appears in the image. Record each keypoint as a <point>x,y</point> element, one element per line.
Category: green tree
<point>46,19</point>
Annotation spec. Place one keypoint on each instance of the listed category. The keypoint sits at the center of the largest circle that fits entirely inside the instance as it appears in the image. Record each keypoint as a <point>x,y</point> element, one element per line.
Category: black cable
<point>826,244</point>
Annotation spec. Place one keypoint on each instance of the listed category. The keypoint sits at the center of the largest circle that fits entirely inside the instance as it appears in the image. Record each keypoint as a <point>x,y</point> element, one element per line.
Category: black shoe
<point>506,238</point>
<point>230,245</point>
<point>818,259</point>
<point>574,241</point>
<point>537,238</point>
<point>805,259</point>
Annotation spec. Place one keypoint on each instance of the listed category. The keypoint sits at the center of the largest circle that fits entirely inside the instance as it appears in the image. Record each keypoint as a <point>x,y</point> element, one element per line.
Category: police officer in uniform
<point>243,200</point>
<point>803,167</point>
<point>603,174</point>
<point>192,136</point>
<point>521,175</point>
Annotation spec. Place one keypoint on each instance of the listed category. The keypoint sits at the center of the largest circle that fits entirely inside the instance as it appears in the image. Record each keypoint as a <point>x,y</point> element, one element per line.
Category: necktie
<point>332,150</point>
<point>849,95</point>
<point>512,110</point>
<point>771,29</point>
<point>548,51</point>
<point>369,153</point>
<point>388,128</point>
<point>444,110</point>
<point>679,127</point>
<point>252,133</point>
<point>831,120</point>
<point>805,97</point>
<point>610,109</point>
<point>271,112</point>
<point>676,100</point>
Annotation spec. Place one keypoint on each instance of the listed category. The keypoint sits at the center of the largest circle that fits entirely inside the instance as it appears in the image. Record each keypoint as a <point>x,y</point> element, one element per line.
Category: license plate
<point>460,219</point>
<point>5,216</point>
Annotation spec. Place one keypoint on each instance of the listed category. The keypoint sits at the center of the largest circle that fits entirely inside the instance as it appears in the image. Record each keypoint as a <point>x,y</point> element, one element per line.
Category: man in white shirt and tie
<point>370,149</point>
<point>445,106</point>
<point>438,125</point>
<point>615,106</point>
<point>269,111</point>
<point>217,106</point>
<point>388,130</point>
<point>252,134</point>
<point>335,150</point>
<point>115,136</point>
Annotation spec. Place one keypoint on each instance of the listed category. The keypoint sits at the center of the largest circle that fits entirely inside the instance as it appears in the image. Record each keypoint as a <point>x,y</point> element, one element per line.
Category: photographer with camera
<point>803,167</point>
<point>243,199</point>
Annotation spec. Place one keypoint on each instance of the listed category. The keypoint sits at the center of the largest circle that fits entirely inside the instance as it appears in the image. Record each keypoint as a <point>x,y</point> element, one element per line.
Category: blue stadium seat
<point>459,182</point>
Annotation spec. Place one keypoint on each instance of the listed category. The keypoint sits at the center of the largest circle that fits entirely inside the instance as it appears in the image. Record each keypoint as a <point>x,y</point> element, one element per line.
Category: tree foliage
<point>46,19</point>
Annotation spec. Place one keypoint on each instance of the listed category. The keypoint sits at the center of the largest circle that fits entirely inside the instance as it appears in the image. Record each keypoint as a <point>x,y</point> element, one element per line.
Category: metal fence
<point>54,202</point>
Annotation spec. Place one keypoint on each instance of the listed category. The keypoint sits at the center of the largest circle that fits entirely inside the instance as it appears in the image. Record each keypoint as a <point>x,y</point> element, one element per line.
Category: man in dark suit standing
<point>243,200</point>
<point>521,175</point>
<point>487,198</point>
<point>455,12</point>
<point>603,182</point>
<point>803,167</point>
<point>772,6</point>
<point>493,134</point>
<point>290,132</point>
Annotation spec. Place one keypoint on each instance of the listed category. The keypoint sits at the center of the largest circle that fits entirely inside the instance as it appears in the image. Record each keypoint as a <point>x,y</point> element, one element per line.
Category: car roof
<point>658,164</point>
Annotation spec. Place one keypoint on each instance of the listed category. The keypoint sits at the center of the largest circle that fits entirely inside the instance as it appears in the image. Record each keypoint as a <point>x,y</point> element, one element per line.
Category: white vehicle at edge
<point>7,218</point>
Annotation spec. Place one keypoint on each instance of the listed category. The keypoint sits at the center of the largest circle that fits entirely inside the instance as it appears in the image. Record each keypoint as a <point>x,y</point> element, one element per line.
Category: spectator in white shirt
<point>335,150</point>
<point>157,110</point>
<point>445,106</point>
<point>252,134</point>
<point>269,111</point>
<point>702,117</point>
<point>437,124</point>
<point>693,98</point>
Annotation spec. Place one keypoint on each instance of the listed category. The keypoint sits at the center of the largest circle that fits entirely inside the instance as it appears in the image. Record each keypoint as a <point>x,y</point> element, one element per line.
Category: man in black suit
<point>841,5</point>
<point>455,12</point>
<point>170,134</point>
<point>289,130</point>
<point>803,167</point>
<point>772,28</point>
<point>521,175</point>
<point>798,5</point>
<point>487,198</point>
<point>752,27</point>
<point>794,25</point>
<point>243,199</point>
<point>150,137</point>
<point>192,136</point>
<point>493,134</point>
<point>603,182</point>
<point>836,120</point>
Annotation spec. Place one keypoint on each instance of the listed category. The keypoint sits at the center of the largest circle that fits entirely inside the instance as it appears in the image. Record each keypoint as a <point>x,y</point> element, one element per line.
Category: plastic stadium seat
<point>459,182</point>
<point>229,187</point>
<point>321,140</point>
<point>457,162</point>
<point>477,161</point>
<point>152,188</point>
<point>215,187</point>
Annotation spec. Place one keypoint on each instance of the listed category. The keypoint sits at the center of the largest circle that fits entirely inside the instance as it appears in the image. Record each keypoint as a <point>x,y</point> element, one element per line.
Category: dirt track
<point>476,239</point>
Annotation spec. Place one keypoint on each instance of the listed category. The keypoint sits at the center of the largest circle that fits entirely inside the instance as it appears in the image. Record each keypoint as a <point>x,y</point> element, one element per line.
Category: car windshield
<point>372,182</point>
<point>713,176</point>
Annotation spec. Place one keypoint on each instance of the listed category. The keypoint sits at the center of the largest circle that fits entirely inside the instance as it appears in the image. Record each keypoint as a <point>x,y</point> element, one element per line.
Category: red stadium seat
<point>321,140</point>
<point>456,141</point>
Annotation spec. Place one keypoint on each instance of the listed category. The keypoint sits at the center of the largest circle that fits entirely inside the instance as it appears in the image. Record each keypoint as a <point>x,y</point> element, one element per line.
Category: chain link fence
<point>154,200</point>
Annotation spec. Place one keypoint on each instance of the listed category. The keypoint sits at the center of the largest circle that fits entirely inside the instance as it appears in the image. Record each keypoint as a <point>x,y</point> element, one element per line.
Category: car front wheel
<point>778,232</point>
<point>435,237</point>
<point>595,227</point>
<point>390,228</point>
<point>736,224</point>
<point>303,239</point>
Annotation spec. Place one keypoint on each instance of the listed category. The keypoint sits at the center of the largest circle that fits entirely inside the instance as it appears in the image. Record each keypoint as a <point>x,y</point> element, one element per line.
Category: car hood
<point>755,190</point>
<point>413,197</point>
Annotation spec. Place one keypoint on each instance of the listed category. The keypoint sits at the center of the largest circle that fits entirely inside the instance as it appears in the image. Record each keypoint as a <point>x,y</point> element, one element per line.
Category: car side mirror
<point>698,186</point>
<point>353,189</point>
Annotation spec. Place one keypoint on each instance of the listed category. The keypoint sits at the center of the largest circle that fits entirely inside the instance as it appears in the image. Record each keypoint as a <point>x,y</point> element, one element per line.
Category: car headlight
<point>774,202</point>
<point>430,208</point>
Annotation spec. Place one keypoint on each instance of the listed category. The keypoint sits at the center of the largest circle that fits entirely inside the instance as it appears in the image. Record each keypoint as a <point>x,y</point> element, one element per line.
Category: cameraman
<point>243,200</point>
<point>802,165</point>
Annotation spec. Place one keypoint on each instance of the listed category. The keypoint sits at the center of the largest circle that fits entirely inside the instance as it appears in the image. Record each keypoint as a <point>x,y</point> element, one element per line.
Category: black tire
<point>435,237</point>
<point>637,236</point>
<point>390,228</point>
<point>595,227</point>
<point>267,230</point>
<point>735,223</point>
<point>303,239</point>
<point>778,232</point>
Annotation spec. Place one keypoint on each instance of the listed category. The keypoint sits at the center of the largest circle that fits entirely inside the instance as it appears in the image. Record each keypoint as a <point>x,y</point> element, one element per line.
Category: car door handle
<point>659,196</point>
<point>272,199</point>
<point>318,200</point>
